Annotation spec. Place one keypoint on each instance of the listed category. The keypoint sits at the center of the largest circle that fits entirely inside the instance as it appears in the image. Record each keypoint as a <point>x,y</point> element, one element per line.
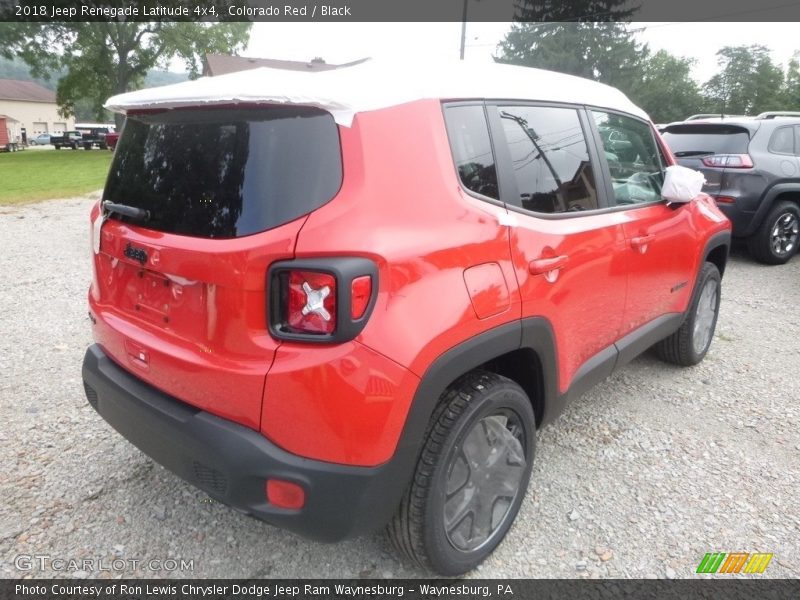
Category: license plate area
<point>155,297</point>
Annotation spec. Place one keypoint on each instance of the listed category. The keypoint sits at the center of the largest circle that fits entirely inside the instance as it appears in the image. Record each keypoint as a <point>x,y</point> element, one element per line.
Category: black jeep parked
<point>752,168</point>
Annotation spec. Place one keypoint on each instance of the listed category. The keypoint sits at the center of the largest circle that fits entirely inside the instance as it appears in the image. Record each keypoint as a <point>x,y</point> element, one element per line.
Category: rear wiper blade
<point>693,153</point>
<point>139,214</point>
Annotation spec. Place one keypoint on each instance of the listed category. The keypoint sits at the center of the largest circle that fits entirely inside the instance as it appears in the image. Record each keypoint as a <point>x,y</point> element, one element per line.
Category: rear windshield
<point>226,173</point>
<point>706,139</point>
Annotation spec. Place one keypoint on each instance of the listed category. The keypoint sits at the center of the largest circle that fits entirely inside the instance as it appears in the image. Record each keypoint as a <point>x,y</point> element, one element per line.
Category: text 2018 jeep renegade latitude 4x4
<point>345,300</point>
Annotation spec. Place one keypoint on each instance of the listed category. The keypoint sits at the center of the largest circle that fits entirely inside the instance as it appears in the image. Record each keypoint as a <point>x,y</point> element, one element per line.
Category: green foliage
<point>107,58</point>
<point>601,51</point>
<point>791,85</point>
<point>666,90</point>
<point>748,82</point>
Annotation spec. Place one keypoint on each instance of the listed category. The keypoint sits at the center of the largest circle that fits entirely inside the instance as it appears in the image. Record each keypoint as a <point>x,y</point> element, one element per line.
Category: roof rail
<point>778,113</point>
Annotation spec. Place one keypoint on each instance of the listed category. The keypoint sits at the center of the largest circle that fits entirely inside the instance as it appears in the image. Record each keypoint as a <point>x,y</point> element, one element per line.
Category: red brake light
<point>360,295</point>
<point>311,302</point>
<point>725,200</point>
<point>285,494</point>
<point>729,161</point>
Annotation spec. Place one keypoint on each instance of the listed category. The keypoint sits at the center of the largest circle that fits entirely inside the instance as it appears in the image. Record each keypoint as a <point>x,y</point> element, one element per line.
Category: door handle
<point>641,242</point>
<point>545,265</point>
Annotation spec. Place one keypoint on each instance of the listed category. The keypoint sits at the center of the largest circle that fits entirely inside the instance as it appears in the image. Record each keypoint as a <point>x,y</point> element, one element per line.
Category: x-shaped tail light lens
<point>312,302</point>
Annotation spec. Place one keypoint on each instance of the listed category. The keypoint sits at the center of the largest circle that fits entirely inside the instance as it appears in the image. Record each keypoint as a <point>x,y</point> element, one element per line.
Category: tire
<point>776,240</point>
<point>689,345</point>
<point>58,147</point>
<point>477,416</point>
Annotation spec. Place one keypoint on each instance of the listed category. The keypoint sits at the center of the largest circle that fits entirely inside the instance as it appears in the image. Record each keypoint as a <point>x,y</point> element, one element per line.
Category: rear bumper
<point>740,218</point>
<point>231,463</point>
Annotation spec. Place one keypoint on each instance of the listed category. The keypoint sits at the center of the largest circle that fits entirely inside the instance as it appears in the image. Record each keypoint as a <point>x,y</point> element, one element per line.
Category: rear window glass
<point>713,139</point>
<point>226,173</point>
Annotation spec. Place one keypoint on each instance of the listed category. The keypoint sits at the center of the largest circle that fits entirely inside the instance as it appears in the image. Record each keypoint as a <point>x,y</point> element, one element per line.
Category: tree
<point>748,83</point>
<point>791,84</point>
<point>603,51</point>
<point>666,90</point>
<point>107,58</point>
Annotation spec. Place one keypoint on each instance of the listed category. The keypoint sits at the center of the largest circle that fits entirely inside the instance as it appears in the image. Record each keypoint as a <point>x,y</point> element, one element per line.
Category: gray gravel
<point>641,477</point>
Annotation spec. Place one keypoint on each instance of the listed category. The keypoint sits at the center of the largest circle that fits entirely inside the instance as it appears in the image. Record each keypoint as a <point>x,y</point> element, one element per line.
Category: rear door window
<point>633,157</point>
<point>472,148</point>
<point>226,173</point>
<point>549,158</point>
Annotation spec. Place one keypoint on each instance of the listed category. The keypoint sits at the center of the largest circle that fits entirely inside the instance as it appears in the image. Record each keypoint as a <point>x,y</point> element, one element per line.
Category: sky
<point>342,42</point>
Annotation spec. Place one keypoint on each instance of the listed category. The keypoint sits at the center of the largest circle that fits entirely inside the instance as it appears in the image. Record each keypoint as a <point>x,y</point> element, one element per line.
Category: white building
<point>33,107</point>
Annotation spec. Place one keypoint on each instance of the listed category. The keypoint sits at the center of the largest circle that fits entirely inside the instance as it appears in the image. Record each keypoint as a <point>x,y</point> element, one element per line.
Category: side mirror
<point>682,185</point>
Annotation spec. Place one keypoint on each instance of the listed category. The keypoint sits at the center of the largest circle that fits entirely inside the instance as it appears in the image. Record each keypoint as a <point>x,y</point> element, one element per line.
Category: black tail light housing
<point>326,300</point>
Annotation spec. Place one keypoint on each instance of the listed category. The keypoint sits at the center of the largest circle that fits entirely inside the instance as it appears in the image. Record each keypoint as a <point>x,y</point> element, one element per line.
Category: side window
<point>797,139</point>
<point>472,148</point>
<point>633,158</point>
<point>782,141</point>
<point>549,158</point>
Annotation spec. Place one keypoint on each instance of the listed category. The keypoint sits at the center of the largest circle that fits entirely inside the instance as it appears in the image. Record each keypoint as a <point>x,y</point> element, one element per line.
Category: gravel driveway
<point>640,478</point>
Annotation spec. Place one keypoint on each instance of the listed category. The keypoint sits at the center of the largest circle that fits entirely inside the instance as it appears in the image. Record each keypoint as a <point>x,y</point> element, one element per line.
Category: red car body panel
<point>200,331</point>
<point>196,309</point>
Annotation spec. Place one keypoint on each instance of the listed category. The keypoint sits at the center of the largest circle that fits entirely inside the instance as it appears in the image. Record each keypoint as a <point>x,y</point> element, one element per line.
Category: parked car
<point>43,139</point>
<point>69,139</point>
<point>353,310</point>
<point>92,137</point>
<point>752,169</point>
<point>111,140</point>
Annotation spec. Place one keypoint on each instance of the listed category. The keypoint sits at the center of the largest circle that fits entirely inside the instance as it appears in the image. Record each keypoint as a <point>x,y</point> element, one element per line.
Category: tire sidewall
<point>771,221</point>
<point>709,272</point>
<point>445,558</point>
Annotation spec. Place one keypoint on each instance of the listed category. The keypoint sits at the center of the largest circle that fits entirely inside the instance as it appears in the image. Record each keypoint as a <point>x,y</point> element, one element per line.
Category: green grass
<point>34,175</point>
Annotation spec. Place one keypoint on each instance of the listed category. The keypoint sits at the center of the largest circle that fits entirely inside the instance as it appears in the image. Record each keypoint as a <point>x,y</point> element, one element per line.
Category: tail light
<point>725,200</point>
<point>323,300</point>
<point>311,303</point>
<point>729,161</point>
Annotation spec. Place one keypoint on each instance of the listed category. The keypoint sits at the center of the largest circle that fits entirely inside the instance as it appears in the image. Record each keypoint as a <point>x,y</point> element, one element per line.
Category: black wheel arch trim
<point>718,240</point>
<point>767,202</point>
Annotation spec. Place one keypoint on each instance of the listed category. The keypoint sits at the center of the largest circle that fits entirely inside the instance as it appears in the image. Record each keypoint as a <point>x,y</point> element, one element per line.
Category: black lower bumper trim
<point>231,462</point>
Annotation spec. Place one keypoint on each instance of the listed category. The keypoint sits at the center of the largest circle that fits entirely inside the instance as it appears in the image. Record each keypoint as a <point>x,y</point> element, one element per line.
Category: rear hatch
<point>198,204</point>
<point>712,149</point>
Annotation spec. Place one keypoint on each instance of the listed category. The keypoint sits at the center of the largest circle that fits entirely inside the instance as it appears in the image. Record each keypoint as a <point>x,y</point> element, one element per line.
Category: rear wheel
<point>689,345</point>
<point>471,476</point>
<point>775,242</point>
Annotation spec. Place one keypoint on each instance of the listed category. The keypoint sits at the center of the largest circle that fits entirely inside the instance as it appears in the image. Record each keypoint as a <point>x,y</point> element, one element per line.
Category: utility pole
<point>463,29</point>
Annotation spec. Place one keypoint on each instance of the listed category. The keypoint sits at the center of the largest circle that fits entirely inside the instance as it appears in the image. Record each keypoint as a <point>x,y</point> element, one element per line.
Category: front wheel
<point>689,345</point>
<point>471,476</point>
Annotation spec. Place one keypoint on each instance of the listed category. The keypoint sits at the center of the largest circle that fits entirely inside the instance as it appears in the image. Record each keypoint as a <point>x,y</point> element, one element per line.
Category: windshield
<point>225,173</point>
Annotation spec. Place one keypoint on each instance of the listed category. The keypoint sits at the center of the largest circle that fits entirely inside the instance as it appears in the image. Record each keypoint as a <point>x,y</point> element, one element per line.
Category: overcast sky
<point>341,42</point>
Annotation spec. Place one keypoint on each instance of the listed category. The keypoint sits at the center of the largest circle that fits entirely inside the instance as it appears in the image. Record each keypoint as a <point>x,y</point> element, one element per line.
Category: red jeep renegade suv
<point>346,300</point>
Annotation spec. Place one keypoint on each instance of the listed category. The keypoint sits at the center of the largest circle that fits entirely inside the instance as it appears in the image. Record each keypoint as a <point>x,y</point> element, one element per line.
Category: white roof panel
<point>373,85</point>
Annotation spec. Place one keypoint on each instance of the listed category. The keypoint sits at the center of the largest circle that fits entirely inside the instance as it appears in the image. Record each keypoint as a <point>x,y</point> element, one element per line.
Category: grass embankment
<point>34,175</point>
